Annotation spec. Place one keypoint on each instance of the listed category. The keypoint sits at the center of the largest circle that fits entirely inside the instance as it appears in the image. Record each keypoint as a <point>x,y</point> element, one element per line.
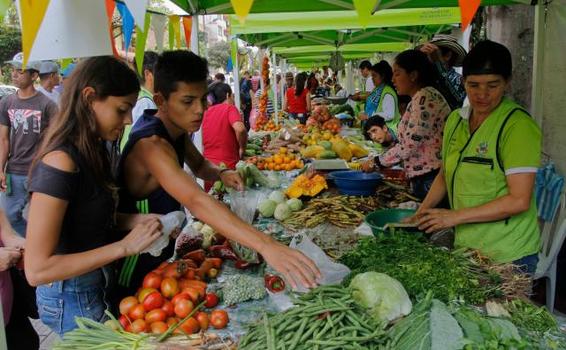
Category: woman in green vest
<point>491,152</point>
<point>383,98</point>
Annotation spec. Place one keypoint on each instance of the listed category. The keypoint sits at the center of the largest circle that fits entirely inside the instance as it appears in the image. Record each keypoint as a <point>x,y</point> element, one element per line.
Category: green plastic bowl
<point>379,218</point>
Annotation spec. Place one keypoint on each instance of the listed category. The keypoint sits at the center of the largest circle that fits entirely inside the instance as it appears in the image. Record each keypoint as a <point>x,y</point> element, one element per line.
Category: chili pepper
<point>274,283</point>
<point>223,251</point>
<point>216,262</point>
<point>197,256</point>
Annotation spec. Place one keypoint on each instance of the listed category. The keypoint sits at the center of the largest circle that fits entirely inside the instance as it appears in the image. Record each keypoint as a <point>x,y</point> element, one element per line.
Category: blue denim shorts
<point>527,264</point>
<point>58,303</point>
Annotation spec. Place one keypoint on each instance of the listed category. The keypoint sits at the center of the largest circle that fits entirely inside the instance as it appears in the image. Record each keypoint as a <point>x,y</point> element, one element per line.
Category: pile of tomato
<point>168,295</point>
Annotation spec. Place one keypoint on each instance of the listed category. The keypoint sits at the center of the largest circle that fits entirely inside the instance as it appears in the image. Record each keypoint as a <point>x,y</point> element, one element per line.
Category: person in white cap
<point>24,116</point>
<point>49,78</point>
<point>446,53</point>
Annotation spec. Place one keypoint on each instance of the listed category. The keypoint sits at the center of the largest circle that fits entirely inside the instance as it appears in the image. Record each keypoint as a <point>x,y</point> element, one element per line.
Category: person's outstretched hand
<point>296,268</point>
<point>141,236</point>
<point>232,179</point>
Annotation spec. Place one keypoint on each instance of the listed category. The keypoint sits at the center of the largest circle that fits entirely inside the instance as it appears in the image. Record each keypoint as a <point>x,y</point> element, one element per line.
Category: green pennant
<point>141,38</point>
<point>171,30</point>
<point>4,6</point>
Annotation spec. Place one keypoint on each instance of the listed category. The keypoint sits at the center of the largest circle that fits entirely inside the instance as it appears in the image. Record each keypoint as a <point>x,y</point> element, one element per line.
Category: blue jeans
<point>15,201</point>
<point>527,264</point>
<point>58,303</point>
<point>420,185</point>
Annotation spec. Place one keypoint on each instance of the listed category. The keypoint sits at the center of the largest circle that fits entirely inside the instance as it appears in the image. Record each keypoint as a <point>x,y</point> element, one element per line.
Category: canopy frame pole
<point>276,39</point>
<point>274,87</point>
<point>192,6</point>
<point>364,35</point>
<point>283,73</point>
<point>194,34</point>
<point>214,9</point>
<point>236,72</point>
<point>538,63</point>
<point>314,38</point>
<point>339,3</point>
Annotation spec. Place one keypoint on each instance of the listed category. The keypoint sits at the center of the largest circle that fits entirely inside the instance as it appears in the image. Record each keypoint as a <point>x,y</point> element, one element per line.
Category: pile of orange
<point>265,125</point>
<point>282,161</point>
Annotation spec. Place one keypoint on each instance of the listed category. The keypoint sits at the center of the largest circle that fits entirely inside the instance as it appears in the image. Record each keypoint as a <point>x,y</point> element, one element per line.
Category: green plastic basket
<point>379,218</point>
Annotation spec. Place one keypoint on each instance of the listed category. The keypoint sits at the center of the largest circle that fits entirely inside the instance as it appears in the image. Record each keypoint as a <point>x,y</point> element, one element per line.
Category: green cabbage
<point>295,204</point>
<point>384,297</point>
<point>267,208</point>
<point>277,197</point>
<point>282,212</point>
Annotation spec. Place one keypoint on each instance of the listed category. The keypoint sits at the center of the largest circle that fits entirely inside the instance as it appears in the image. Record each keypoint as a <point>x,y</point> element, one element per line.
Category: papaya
<point>327,155</point>
<point>326,144</point>
<point>342,150</point>
<point>357,151</point>
<point>312,151</point>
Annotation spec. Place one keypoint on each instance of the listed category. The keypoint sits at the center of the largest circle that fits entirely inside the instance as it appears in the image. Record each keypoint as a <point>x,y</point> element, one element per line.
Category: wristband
<point>222,170</point>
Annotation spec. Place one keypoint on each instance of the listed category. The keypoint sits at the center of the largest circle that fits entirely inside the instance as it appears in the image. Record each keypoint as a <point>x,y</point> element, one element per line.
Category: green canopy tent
<point>203,7</point>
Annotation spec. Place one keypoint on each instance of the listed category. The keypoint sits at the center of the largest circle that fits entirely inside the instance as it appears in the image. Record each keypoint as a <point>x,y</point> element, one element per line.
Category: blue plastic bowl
<point>355,183</point>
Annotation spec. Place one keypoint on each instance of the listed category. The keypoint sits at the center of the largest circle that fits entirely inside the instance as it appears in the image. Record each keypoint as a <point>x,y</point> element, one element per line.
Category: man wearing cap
<point>24,116</point>
<point>49,78</point>
<point>446,53</point>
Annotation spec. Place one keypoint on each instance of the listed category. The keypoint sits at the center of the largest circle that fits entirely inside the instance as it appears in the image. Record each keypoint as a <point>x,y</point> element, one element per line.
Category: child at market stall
<point>151,169</point>
<point>71,234</point>
<point>376,130</point>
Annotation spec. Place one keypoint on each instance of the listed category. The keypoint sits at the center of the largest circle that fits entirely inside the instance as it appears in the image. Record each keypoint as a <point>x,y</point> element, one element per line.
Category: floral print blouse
<point>420,134</point>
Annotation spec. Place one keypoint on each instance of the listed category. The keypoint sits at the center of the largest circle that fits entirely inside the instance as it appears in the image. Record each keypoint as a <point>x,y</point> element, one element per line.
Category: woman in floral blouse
<point>420,128</point>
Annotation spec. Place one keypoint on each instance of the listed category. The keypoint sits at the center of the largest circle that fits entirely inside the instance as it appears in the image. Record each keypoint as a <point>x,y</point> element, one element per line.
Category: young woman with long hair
<point>73,226</point>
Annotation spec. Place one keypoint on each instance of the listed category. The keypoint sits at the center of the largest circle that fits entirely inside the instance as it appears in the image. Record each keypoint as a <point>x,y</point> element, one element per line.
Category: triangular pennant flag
<point>65,62</point>
<point>171,30</point>
<point>137,9</point>
<point>177,29</point>
<point>4,6</point>
<point>242,8</point>
<point>141,38</point>
<point>158,23</point>
<point>468,9</point>
<point>364,9</point>
<point>127,24</point>
<point>188,27</point>
<point>110,6</point>
<point>32,13</point>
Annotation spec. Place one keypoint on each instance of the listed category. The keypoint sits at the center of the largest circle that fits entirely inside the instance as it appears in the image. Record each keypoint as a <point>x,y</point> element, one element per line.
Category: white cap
<point>48,67</point>
<point>18,60</point>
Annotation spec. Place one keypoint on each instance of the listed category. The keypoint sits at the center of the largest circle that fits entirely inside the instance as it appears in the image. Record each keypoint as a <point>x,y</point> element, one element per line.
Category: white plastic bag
<point>332,272</point>
<point>170,223</point>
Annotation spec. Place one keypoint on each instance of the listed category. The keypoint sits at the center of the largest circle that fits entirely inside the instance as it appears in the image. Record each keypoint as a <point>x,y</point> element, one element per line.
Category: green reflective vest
<point>393,123</point>
<point>474,175</point>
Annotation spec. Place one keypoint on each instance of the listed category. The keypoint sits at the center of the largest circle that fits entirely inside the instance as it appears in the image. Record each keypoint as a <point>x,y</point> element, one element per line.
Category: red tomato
<point>158,327</point>
<point>190,326</point>
<point>153,301</point>
<point>155,316</point>
<point>169,287</point>
<point>168,307</point>
<point>211,300</point>
<point>219,319</point>
<point>144,293</point>
<point>124,321</point>
<point>171,270</point>
<point>152,280</point>
<point>183,308</point>
<point>139,326</point>
<point>202,318</point>
<point>171,321</point>
<point>180,296</point>
<point>193,293</point>
<point>127,304</point>
<point>137,312</point>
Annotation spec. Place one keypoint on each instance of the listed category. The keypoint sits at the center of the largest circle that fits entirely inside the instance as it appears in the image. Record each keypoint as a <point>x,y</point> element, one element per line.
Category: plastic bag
<point>244,205</point>
<point>332,272</point>
<point>170,223</point>
<point>188,240</point>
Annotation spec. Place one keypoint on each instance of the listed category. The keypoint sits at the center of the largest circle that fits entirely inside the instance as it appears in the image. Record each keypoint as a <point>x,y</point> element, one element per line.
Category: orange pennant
<point>110,6</point>
<point>32,13</point>
<point>188,27</point>
<point>468,9</point>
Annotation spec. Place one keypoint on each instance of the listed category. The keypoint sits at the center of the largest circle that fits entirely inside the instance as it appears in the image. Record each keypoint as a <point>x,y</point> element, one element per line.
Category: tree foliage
<point>218,54</point>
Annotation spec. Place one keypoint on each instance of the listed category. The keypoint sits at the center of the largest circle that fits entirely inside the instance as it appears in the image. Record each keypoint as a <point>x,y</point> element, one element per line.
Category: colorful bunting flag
<point>110,6</point>
<point>242,8</point>
<point>127,24</point>
<point>32,13</point>
<point>171,30</point>
<point>4,6</point>
<point>188,27</point>
<point>137,9</point>
<point>177,29</point>
<point>158,23</point>
<point>364,9</point>
<point>141,39</point>
<point>468,9</point>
